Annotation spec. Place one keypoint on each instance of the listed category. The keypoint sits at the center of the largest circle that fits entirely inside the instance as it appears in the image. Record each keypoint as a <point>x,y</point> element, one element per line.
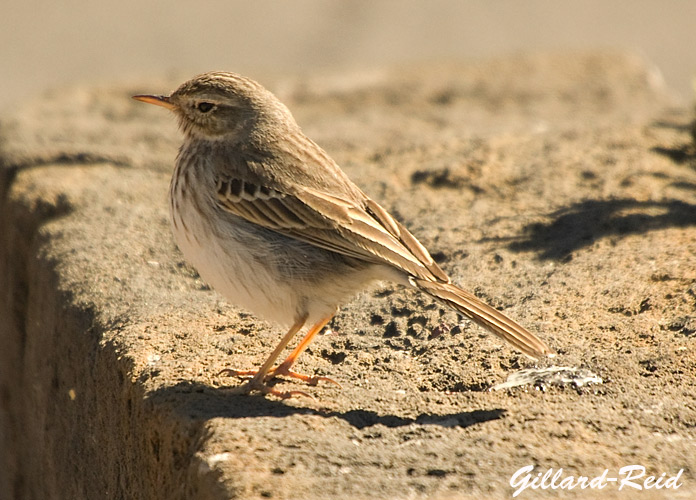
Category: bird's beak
<point>158,100</point>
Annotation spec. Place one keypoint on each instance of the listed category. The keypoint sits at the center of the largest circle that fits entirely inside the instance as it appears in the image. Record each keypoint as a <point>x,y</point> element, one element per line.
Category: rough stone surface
<point>561,188</point>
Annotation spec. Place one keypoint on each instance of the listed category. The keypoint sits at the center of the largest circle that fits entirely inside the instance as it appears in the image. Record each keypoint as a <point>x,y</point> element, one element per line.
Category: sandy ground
<point>561,189</point>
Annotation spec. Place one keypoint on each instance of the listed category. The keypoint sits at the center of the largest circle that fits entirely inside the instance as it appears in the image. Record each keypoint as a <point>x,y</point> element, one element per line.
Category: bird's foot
<point>255,386</point>
<point>263,386</point>
<point>284,370</point>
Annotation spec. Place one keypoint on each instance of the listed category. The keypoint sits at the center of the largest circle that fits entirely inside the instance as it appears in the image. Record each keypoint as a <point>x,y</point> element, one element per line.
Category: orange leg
<point>267,373</point>
<point>284,367</point>
<point>257,382</point>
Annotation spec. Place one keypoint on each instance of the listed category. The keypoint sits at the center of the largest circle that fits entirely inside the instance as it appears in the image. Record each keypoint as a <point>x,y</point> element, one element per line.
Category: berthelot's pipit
<point>271,222</point>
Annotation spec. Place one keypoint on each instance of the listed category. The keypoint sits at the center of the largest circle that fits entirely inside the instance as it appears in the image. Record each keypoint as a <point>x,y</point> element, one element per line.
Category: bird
<point>271,222</point>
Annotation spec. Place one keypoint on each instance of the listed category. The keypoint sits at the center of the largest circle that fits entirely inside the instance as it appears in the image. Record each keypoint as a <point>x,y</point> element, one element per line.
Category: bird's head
<point>223,105</point>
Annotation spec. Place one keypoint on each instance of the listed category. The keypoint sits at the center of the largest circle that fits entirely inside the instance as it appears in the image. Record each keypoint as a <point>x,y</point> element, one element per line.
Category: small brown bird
<point>271,222</point>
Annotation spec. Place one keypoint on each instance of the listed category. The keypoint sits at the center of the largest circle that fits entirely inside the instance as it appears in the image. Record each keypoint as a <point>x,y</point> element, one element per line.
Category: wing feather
<point>360,230</point>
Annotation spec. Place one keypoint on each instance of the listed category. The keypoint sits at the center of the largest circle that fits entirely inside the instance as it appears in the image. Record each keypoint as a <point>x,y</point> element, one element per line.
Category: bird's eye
<point>204,106</point>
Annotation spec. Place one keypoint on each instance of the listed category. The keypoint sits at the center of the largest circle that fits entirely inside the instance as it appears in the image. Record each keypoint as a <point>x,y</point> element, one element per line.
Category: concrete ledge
<point>562,188</point>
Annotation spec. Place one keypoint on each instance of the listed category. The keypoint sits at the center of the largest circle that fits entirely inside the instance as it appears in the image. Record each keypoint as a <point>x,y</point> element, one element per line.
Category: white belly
<point>228,264</point>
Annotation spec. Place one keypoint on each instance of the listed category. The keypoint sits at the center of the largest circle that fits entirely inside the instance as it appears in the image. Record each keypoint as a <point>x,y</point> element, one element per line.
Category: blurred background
<point>46,44</point>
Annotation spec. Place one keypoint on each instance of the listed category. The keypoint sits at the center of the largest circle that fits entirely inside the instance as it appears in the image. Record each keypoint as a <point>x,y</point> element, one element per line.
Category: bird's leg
<point>284,367</point>
<point>258,381</point>
<point>266,373</point>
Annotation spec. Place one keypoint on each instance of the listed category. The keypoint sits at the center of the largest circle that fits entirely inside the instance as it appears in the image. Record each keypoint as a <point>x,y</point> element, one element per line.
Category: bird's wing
<point>361,229</point>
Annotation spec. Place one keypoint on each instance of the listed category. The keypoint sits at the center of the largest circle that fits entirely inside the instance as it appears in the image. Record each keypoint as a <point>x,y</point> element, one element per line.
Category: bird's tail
<point>484,315</point>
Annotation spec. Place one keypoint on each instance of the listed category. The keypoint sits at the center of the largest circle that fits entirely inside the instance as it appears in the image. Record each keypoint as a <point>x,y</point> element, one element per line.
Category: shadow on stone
<point>583,223</point>
<point>686,153</point>
<point>202,402</point>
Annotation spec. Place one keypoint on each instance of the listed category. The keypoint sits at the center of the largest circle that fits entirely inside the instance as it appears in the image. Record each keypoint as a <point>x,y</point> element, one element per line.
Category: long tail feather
<point>484,315</point>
